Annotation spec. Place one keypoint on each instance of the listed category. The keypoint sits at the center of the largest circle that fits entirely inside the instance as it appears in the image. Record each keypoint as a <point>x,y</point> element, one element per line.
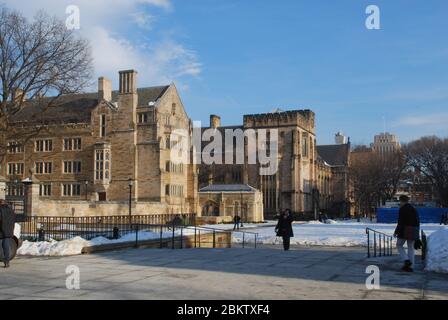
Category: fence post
<point>195,237</point>
<point>181,237</point>
<point>136,235</point>
<point>172,239</point>
<point>374,244</point>
<point>368,243</point>
<point>244,238</point>
<point>161,236</point>
<point>214,239</point>
<point>256,240</point>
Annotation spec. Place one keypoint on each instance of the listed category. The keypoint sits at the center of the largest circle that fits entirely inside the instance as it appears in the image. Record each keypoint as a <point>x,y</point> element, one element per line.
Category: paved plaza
<point>263,273</point>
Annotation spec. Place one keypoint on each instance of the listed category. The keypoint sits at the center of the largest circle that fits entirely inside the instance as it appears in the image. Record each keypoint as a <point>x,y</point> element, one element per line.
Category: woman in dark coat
<point>284,228</point>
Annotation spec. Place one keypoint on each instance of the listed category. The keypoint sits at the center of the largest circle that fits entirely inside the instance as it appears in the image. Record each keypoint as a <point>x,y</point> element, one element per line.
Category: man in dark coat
<point>408,230</point>
<point>236,222</point>
<point>284,228</point>
<point>7,222</point>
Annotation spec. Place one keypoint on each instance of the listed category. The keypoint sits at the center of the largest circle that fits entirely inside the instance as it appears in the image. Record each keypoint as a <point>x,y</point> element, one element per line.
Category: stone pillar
<point>31,193</point>
<point>2,187</point>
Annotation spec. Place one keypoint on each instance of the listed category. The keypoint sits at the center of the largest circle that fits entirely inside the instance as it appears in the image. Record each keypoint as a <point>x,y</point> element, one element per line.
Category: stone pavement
<point>263,273</point>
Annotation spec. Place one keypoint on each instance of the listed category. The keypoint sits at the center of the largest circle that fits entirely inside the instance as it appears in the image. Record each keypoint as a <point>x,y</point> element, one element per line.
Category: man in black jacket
<point>408,229</point>
<point>7,222</point>
<point>284,228</point>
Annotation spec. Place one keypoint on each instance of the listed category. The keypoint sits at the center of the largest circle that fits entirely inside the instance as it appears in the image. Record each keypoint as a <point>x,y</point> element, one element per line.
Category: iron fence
<point>112,227</point>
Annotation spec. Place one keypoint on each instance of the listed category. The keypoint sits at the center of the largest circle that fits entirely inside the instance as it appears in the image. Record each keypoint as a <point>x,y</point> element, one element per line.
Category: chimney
<point>128,81</point>
<point>104,89</point>
<point>215,121</point>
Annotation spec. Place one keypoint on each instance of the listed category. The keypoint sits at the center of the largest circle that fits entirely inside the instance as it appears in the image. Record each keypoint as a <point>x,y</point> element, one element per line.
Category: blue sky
<point>236,57</point>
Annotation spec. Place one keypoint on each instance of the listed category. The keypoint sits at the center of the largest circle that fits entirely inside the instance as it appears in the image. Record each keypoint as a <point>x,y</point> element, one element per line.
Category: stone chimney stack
<point>215,121</point>
<point>104,89</point>
<point>128,81</point>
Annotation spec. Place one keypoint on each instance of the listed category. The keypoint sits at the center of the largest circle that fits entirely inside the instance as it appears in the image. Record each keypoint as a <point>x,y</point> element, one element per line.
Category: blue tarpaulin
<point>427,215</point>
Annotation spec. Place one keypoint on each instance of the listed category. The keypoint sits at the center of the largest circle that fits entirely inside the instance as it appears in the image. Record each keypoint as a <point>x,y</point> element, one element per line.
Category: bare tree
<point>40,60</point>
<point>375,177</point>
<point>429,156</point>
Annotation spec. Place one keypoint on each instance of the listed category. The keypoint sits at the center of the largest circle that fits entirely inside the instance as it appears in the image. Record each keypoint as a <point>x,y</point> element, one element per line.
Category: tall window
<point>16,168</point>
<point>43,167</point>
<point>45,189</point>
<point>103,125</point>
<point>71,189</point>
<point>305,146</point>
<point>102,164</point>
<point>72,144</point>
<point>142,117</point>
<point>15,147</point>
<point>72,167</point>
<point>43,145</point>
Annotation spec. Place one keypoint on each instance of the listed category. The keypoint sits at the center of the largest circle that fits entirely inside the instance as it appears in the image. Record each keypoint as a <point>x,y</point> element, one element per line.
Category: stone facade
<point>221,203</point>
<point>99,147</point>
<point>291,185</point>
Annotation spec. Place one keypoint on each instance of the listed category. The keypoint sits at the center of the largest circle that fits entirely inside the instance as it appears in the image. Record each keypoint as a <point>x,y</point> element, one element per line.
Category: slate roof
<point>228,188</point>
<point>334,155</point>
<point>76,108</point>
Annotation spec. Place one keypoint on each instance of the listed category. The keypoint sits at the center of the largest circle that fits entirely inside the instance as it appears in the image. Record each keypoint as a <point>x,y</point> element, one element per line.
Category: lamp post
<point>130,184</point>
<point>241,210</point>
<point>86,183</point>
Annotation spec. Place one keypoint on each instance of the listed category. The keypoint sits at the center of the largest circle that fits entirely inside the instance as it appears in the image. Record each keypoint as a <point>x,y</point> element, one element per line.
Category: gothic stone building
<point>98,146</point>
<point>309,179</point>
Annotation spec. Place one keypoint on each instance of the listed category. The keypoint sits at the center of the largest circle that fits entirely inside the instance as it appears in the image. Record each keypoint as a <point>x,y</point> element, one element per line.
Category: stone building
<point>385,143</point>
<point>103,147</point>
<point>220,203</point>
<point>291,186</point>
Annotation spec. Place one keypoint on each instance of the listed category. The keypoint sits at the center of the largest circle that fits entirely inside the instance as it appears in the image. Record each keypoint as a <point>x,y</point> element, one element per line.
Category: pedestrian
<point>407,231</point>
<point>7,223</point>
<point>236,222</point>
<point>284,228</point>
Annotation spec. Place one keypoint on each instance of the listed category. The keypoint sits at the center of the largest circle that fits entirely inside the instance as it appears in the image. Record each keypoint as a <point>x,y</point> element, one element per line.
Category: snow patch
<point>437,254</point>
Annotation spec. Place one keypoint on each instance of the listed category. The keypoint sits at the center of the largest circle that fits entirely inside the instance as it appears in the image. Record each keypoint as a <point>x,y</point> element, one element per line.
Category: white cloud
<point>117,44</point>
<point>436,119</point>
<point>143,20</point>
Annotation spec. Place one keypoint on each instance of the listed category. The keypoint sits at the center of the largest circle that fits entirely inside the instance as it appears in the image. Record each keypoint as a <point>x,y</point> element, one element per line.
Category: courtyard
<point>264,273</point>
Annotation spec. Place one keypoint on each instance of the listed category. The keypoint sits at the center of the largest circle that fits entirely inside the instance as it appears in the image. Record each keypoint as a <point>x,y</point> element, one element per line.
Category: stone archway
<point>210,209</point>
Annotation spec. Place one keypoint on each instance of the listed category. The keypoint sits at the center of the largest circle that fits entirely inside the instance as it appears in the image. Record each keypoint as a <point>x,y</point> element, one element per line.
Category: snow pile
<point>75,245</point>
<point>437,255</point>
<point>330,221</point>
<point>53,248</point>
<point>17,230</point>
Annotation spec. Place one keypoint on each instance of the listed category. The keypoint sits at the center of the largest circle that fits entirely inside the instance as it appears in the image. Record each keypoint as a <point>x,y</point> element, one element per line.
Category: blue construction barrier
<point>427,215</point>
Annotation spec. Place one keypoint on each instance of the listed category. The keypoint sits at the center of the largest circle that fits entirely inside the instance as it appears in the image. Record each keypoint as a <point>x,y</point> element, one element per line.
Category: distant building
<point>340,138</point>
<point>385,143</point>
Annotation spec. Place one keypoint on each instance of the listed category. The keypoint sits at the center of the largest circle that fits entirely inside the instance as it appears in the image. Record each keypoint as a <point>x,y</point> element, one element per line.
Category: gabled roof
<point>228,188</point>
<point>76,108</point>
<point>334,155</point>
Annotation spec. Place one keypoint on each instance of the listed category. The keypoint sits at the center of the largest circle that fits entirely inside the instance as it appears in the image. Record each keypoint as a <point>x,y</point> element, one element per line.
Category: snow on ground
<point>74,246</point>
<point>437,254</point>
<point>315,233</point>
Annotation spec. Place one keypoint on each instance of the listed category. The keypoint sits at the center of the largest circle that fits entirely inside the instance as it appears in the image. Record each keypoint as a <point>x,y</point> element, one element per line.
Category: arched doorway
<point>210,209</point>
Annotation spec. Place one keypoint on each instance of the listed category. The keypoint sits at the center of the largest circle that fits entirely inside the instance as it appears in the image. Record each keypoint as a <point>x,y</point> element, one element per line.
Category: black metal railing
<point>174,236</point>
<point>112,227</point>
<point>378,242</point>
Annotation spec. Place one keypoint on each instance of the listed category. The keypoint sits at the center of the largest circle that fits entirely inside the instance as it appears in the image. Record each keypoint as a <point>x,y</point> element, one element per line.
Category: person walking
<point>284,228</point>
<point>236,222</point>
<point>7,222</point>
<point>407,231</point>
